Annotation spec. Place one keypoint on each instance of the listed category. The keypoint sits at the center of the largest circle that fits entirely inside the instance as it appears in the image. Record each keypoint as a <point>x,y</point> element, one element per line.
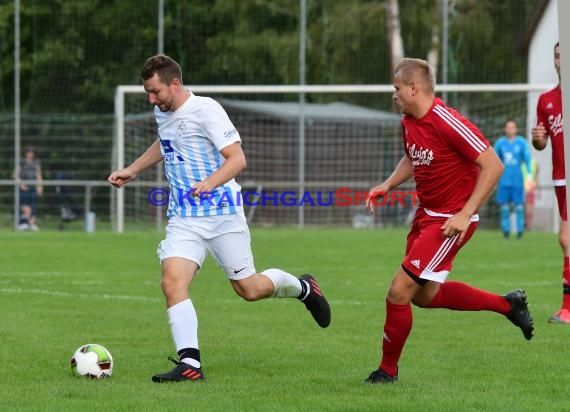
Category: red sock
<point>566,284</point>
<point>461,296</point>
<point>396,330</point>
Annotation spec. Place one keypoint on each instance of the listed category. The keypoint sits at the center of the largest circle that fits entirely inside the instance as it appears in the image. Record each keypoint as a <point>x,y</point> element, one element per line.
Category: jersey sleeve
<point>218,127</point>
<point>461,134</point>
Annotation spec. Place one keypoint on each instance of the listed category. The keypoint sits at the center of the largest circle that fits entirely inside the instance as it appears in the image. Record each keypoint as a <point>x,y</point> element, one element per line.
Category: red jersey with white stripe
<point>549,113</point>
<point>442,146</point>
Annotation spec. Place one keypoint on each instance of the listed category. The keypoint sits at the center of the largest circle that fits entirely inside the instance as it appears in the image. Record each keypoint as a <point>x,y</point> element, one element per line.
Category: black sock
<point>304,290</point>
<point>192,353</point>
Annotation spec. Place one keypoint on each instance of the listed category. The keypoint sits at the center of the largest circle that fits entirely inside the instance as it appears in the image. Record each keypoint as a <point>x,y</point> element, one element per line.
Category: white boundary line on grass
<point>136,298</point>
<point>160,299</point>
<point>80,294</point>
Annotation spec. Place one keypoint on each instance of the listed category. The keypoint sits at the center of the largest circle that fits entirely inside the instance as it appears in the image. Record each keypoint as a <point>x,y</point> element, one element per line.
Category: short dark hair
<point>556,45</point>
<point>165,67</point>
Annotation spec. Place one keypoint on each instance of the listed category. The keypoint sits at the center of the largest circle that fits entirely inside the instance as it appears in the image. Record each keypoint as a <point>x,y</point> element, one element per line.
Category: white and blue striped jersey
<point>191,139</point>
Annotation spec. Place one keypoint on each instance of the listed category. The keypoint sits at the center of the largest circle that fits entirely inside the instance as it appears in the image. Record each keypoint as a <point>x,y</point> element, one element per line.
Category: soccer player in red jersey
<point>455,171</point>
<point>549,124</point>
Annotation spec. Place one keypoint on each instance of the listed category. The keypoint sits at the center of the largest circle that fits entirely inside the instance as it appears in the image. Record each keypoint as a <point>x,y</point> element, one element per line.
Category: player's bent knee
<point>419,302</point>
<point>398,296</point>
<point>403,288</point>
<point>246,289</point>
<point>174,286</point>
<point>422,300</point>
<point>168,285</point>
<point>253,288</point>
<point>563,235</point>
<point>249,294</point>
<point>424,297</point>
<point>563,239</point>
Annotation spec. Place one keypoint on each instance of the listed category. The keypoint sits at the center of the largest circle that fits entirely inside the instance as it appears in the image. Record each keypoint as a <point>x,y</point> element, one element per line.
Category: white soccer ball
<point>92,361</point>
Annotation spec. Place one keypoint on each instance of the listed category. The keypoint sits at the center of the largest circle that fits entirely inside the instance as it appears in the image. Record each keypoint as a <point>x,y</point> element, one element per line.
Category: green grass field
<point>61,290</point>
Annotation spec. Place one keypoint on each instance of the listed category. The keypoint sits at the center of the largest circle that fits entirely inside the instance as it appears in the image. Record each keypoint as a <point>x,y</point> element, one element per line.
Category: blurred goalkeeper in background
<point>514,151</point>
<point>549,125</point>
<point>201,151</point>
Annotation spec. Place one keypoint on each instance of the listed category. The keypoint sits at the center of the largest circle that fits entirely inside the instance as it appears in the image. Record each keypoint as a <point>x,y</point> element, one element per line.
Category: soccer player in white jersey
<point>201,151</point>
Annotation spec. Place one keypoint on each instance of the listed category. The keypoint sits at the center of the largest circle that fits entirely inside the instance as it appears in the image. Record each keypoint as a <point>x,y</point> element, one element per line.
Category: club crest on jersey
<point>183,129</point>
<point>419,155</point>
<point>555,123</point>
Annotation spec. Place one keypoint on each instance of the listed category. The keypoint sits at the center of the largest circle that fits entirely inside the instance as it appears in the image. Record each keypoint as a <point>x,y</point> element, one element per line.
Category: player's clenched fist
<point>539,137</point>
<point>121,177</point>
<point>373,193</point>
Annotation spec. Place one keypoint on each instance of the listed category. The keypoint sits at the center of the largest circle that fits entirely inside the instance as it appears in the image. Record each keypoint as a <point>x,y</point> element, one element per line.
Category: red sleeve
<point>460,133</point>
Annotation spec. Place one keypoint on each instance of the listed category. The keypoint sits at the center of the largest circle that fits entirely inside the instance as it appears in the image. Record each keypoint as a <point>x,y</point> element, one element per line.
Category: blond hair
<point>416,71</point>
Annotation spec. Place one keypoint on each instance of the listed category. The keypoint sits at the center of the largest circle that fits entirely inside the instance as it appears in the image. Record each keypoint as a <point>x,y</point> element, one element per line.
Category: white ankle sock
<point>285,285</point>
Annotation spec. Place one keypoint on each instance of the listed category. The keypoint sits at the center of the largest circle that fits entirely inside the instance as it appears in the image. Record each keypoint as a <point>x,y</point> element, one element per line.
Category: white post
<point>120,149</point>
<point>564,38</point>
<point>302,43</point>
<point>160,50</point>
<point>160,45</point>
<point>444,45</point>
<point>17,112</point>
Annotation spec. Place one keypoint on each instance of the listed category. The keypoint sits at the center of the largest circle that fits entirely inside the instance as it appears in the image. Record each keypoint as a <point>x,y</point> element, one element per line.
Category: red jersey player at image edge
<point>455,170</point>
<point>549,125</point>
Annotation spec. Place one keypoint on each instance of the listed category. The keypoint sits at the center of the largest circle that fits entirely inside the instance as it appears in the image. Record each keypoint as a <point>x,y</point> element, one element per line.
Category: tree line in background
<point>74,53</point>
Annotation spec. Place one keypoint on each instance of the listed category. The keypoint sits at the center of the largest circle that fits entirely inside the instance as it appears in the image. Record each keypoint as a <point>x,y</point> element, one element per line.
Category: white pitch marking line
<point>81,294</point>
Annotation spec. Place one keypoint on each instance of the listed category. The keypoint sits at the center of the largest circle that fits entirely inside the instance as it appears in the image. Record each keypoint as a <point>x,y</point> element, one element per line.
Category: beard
<point>164,107</point>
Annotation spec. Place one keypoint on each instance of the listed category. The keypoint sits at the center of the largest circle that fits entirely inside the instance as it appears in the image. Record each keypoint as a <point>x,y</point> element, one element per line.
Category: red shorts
<point>561,198</point>
<point>530,197</point>
<point>429,255</point>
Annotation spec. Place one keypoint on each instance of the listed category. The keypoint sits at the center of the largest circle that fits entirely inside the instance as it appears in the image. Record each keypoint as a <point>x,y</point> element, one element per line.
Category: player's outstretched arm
<point>491,170</point>
<point>149,158</point>
<point>233,164</point>
<point>403,172</point>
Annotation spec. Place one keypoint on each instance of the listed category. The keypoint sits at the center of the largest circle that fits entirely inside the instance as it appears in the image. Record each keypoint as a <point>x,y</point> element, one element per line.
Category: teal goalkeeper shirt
<point>513,153</point>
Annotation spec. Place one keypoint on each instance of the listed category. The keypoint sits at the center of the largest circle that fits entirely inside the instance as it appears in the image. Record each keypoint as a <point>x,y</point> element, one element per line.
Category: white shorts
<point>225,237</point>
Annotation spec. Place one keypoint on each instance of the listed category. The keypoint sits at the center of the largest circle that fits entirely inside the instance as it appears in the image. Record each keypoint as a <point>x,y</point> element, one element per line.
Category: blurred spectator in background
<point>29,169</point>
<point>27,219</point>
<point>65,199</point>
<point>513,150</point>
